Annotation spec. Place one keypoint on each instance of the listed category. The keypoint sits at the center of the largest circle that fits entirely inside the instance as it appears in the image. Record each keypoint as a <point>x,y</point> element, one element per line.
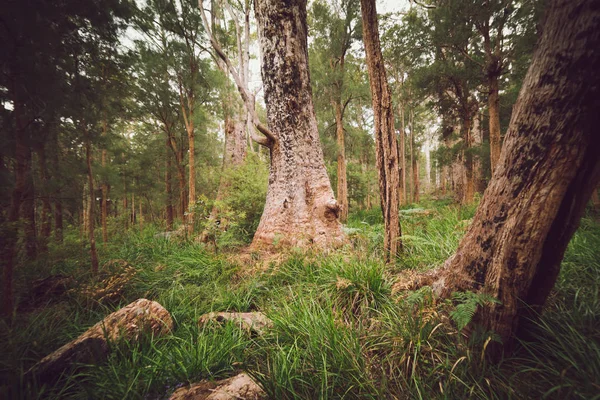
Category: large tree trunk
<point>342,179</point>
<point>545,176</point>
<point>386,146</point>
<point>494,123</point>
<point>300,208</point>
<point>90,205</point>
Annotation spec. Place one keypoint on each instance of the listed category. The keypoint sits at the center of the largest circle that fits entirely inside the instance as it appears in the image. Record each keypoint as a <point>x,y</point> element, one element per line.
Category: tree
<point>547,171</point>
<point>300,207</point>
<point>386,145</point>
<point>336,29</point>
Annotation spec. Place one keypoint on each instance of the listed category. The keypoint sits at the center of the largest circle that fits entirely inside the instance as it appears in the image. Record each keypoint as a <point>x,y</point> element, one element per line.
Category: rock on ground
<point>238,387</point>
<point>252,321</point>
<point>138,318</point>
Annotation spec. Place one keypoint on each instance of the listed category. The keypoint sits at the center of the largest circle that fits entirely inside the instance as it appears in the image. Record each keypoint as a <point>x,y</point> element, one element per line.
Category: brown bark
<point>469,185</point>
<point>342,179</point>
<point>386,146</point>
<point>545,176</point>
<point>414,163</point>
<point>300,208</point>
<point>90,205</point>
<point>169,190</point>
<point>494,123</point>
<point>402,151</point>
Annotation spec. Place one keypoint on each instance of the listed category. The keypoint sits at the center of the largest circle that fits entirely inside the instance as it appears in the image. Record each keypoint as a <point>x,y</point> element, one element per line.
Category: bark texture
<point>300,207</point>
<point>386,146</point>
<point>546,174</point>
<point>138,318</point>
<point>342,179</point>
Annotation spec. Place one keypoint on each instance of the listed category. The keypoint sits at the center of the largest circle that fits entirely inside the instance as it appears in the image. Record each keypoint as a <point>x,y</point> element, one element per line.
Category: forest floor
<point>339,331</point>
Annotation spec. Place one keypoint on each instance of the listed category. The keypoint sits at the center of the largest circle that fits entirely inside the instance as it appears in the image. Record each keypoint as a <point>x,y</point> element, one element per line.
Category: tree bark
<point>300,208</point>
<point>545,176</point>
<point>91,202</point>
<point>104,211</point>
<point>386,146</point>
<point>169,190</point>
<point>402,151</point>
<point>494,123</point>
<point>414,162</point>
<point>342,179</point>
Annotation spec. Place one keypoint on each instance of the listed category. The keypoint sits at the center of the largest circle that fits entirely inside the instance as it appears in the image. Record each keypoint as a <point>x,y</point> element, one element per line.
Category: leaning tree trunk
<point>300,208</point>
<point>386,146</point>
<point>548,168</point>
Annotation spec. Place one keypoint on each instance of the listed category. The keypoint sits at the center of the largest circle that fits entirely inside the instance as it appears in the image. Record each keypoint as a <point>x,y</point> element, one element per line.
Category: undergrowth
<point>338,330</point>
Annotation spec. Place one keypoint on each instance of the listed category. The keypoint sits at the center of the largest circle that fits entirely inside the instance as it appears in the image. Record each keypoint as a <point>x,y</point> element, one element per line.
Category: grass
<point>338,331</point>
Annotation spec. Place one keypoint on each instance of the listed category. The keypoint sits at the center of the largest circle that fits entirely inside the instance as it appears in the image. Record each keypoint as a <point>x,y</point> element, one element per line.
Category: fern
<point>467,306</point>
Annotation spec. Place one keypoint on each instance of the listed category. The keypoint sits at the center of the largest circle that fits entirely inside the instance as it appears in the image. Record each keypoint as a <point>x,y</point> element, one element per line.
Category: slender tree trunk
<point>9,239</point>
<point>58,211</point>
<point>104,211</point>
<point>402,151</point>
<point>386,146</point>
<point>91,202</point>
<point>300,208</point>
<point>545,176</point>
<point>46,217</point>
<point>342,180</point>
<point>414,163</point>
<point>494,110</point>
<point>182,194</point>
<point>28,210</point>
<point>169,190</point>
<point>191,173</point>
<point>469,187</point>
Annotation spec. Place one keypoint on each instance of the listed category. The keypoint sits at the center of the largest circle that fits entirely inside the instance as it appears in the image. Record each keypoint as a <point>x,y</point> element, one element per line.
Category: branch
<point>428,7</point>
<point>246,97</point>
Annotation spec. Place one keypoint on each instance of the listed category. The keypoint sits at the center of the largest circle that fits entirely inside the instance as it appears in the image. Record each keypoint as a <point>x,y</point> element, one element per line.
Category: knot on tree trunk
<point>332,210</point>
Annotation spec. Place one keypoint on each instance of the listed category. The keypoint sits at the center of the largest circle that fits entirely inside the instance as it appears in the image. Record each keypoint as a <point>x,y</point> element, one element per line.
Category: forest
<point>294,199</point>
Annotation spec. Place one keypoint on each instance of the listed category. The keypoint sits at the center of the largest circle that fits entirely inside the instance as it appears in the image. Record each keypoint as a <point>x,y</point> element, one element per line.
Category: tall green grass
<point>338,330</point>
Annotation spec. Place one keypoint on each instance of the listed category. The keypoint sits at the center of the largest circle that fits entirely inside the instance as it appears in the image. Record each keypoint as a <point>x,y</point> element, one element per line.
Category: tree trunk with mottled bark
<point>300,208</point>
<point>545,176</point>
<point>386,146</point>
